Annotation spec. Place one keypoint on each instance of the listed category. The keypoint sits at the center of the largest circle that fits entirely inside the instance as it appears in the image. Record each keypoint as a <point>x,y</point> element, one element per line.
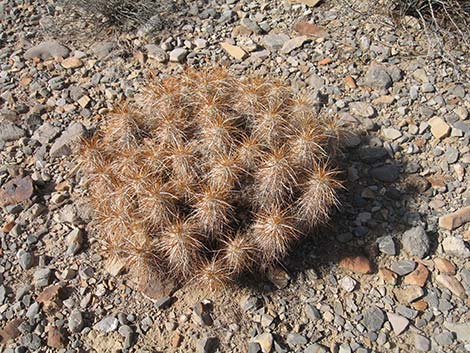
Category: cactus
<point>207,176</point>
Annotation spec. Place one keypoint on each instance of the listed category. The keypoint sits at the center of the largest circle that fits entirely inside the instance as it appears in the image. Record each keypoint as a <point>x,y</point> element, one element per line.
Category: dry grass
<point>208,177</point>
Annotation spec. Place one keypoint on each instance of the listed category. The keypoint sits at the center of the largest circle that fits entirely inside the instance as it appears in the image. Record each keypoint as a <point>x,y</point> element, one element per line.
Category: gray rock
<point>293,44</point>
<point>156,52</point>
<point>207,345</point>
<point>274,42</point>
<point>75,321</point>
<point>108,324</point>
<point>347,283</point>
<point>63,145</point>
<point>74,241</point>
<point>399,323</point>
<point>427,88</point>
<point>407,312</point>
<point>378,77</point>
<point>178,55</point>
<point>455,246</point>
<point>46,133</point>
<point>41,277</point>
<point>416,242</point>
<point>452,155</point>
<point>32,311</point>
<point>362,109</point>
<point>344,348</point>
<point>3,294</point>
<point>312,312</point>
<point>374,319</point>
<point>403,267</point>
<point>295,339</point>
<point>386,245</point>
<point>46,50</point>
<point>422,344</point>
<point>10,132</point>
<point>316,348</point>
<point>461,330</point>
<point>25,259</point>
<point>248,23</point>
<point>254,347</point>
<point>444,338</point>
<point>387,173</point>
<point>102,49</point>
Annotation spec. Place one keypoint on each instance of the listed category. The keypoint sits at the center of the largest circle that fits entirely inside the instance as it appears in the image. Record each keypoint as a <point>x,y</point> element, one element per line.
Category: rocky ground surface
<point>390,274</point>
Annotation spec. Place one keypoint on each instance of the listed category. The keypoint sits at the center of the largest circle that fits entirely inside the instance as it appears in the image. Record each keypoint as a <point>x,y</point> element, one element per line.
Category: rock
<point>420,75</point>
<point>41,277</point>
<point>49,298</point>
<point>389,277</point>
<point>295,339</point>
<point>347,283</point>
<point>418,277</point>
<point>444,338</point>
<point>455,246</point>
<point>75,321</point>
<point>422,344</point>
<point>293,44</point>
<point>452,284</point>
<point>157,53</point>
<point>108,324</point>
<point>25,259</point>
<point>386,245</point>
<point>399,323</point>
<point>461,112</point>
<point>461,330</point>
<point>63,145</point>
<point>102,49</point>
<point>254,347</point>
<point>74,241</point>
<point>361,109</point>
<point>387,173</point>
<point>207,345</point>
<point>309,29</point>
<point>391,133</point>
<point>403,267</point>
<point>310,3</point>
<point>312,313</point>
<point>416,242</point>
<point>200,43</point>
<point>454,220</point>
<point>46,133</point>
<point>358,264</point>
<point>32,311</point>
<point>451,155</point>
<point>377,77</point>
<point>46,50</point>
<point>16,191</point>
<point>55,338</point>
<point>274,42</point>
<point>374,319</point>
<point>202,314</point>
<point>439,127</point>
<point>10,132</point>
<point>10,331</point>
<point>250,25</point>
<point>316,348</point>
<point>408,294</point>
<point>178,55</point>
<point>234,51</point>
<point>444,266</point>
<point>265,340</point>
<point>71,63</point>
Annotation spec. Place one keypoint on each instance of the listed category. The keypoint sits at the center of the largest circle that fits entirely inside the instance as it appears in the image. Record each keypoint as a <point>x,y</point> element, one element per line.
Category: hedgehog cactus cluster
<point>208,176</point>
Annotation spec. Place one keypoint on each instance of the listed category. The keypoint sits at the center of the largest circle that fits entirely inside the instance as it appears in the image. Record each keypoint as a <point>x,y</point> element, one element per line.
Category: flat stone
<point>387,276</point>
<point>422,344</point>
<point>444,266</point>
<point>362,109</point>
<point>387,173</point>
<point>293,44</point>
<point>71,63</point>
<point>25,259</point>
<point>310,3</point>
<point>403,267</point>
<point>309,29</point>
<point>157,53</point>
<point>41,277</point>
<point>391,133</point>
<point>10,132</point>
<point>10,330</point>
<point>461,330</point>
<point>207,345</point>
<point>421,76</point>
<point>46,50</point>
<point>408,294</point>
<point>399,323</point>
<point>74,241</point>
<point>444,339</point>
<point>455,246</point>
<point>64,144</point>
<point>451,155</point>
<point>377,77</point>
<point>16,191</point>
<point>295,339</point>
<point>265,340</point>
<point>55,338</point>
<point>178,55</point>
<point>46,133</point>
<point>452,284</point>
<point>102,49</point>
<point>416,242</point>
<point>439,128</point>
<point>455,219</point>
<point>386,245</point>
<point>274,42</point>
<point>418,277</point>
<point>108,324</point>
<point>316,348</point>
<point>358,264</point>
<point>374,319</point>
<point>234,51</point>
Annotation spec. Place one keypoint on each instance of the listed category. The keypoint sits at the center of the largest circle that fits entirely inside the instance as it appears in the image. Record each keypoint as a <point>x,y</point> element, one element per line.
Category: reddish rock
<point>10,330</point>
<point>349,82</point>
<point>455,219</point>
<point>418,277</point>
<point>444,266</point>
<point>452,284</point>
<point>16,190</point>
<point>176,340</point>
<point>420,305</point>
<point>309,29</point>
<point>358,264</point>
<point>55,338</point>
<point>325,61</point>
<point>387,276</point>
<point>49,298</point>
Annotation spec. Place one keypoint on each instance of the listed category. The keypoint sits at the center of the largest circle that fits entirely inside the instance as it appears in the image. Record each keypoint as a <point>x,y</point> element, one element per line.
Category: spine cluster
<point>207,176</point>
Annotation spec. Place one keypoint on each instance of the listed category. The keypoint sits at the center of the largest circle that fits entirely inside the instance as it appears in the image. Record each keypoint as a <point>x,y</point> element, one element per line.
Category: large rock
<point>455,246</point>
<point>461,330</point>
<point>63,145</point>
<point>46,50</point>
<point>378,77</point>
<point>416,242</point>
<point>10,132</point>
